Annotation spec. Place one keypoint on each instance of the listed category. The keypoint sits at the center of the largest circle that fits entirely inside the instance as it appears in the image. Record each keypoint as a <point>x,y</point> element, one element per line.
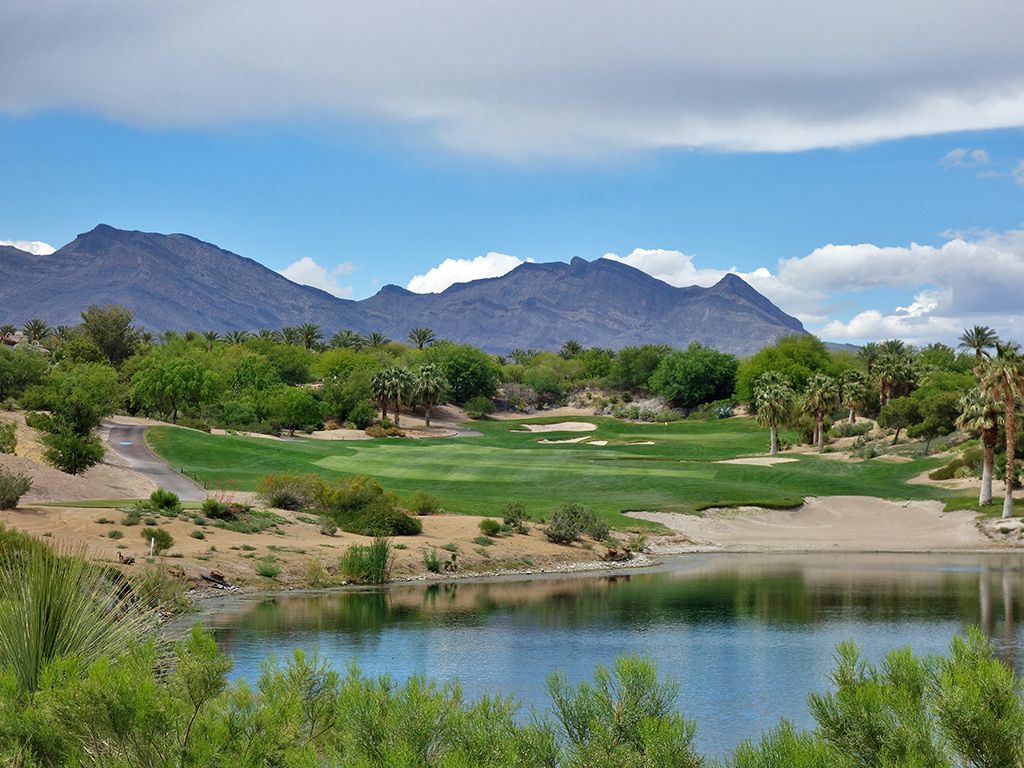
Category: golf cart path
<point>129,443</point>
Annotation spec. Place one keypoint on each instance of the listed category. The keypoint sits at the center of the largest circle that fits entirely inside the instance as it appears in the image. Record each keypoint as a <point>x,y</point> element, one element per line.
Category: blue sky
<point>379,179</point>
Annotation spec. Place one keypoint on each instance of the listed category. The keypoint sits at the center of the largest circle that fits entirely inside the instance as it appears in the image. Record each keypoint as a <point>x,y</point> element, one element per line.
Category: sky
<point>862,166</point>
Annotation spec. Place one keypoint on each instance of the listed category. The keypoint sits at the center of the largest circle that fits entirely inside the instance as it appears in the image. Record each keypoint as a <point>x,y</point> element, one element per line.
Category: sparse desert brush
<point>12,487</point>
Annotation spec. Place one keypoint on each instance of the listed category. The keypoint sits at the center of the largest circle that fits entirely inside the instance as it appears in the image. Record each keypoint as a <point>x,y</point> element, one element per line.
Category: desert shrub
<point>514,517</point>
<point>967,463</point>
<point>132,515</point>
<point>8,437</point>
<point>267,568</point>
<point>361,505</point>
<point>570,521</point>
<point>362,414</point>
<point>161,539</point>
<point>490,527</point>
<point>115,534</point>
<point>846,429</point>
<point>40,421</point>
<point>368,564</point>
<point>379,430</point>
<point>215,509</point>
<point>72,453</point>
<point>432,560</point>
<point>12,487</point>
<point>327,526</point>
<point>197,533</point>
<point>479,407</point>
<point>166,501</point>
<point>483,541</point>
<point>423,503</point>
<point>291,492</point>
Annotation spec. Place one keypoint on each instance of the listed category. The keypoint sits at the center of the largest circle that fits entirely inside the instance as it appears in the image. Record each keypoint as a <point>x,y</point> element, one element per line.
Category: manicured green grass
<point>678,473</point>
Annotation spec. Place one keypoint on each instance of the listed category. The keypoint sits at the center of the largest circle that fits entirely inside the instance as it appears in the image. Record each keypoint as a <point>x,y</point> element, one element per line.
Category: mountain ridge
<point>180,282</point>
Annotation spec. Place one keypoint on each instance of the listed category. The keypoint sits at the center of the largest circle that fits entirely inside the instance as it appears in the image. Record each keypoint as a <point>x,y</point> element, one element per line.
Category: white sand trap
<point>642,442</point>
<point>562,442</point>
<point>759,461</point>
<point>598,442</point>
<point>562,426</point>
<point>830,523</point>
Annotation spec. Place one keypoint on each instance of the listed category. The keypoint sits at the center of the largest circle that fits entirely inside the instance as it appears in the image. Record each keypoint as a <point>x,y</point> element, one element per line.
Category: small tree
<point>939,414</point>
<point>898,414</point>
<point>296,408</point>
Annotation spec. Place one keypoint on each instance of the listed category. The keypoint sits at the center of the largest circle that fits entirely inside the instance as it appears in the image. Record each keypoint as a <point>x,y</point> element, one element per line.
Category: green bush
<point>968,461</point>
<point>161,539</point>
<point>215,509</point>
<point>570,521</point>
<point>115,534</point>
<point>267,568</point>
<point>361,505</point>
<point>12,487</point>
<point>423,503</point>
<point>72,453</point>
<point>166,501</point>
<point>291,492</point>
<point>197,533</point>
<point>8,437</point>
<point>132,515</point>
<point>370,564</point>
<point>483,541</point>
<point>40,421</point>
<point>327,526</point>
<point>362,414</point>
<point>846,429</point>
<point>479,407</point>
<point>490,527</point>
<point>432,560</point>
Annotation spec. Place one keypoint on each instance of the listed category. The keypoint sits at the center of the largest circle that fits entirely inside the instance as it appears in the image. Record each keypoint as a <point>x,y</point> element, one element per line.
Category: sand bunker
<point>830,523</point>
<point>562,426</point>
<point>562,442</point>
<point>598,442</point>
<point>759,461</point>
<point>642,442</point>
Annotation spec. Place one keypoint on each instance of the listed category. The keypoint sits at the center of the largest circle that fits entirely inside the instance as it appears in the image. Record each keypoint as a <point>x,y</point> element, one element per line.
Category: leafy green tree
<point>110,328</point>
<point>293,363</point>
<point>470,372</point>
<point>898,414</point>
<point>939,412</point>
<point>429,387</point>
<point>422,337</point>
<point>694,376</point>
<point>80,396</point>
<point>168,383</point>
<point>796,357</point>
<point>20,367</point>
<point>773,399</point>
<point>1001,379</point>
<point>595,363</point>
<point>80,349</point>
<point>296,408</point>
<point>633,366</point>
<point>70,452</point>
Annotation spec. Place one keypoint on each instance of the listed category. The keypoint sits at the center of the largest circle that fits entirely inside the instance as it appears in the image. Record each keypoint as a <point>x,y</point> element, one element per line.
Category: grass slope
<point>479,475</point>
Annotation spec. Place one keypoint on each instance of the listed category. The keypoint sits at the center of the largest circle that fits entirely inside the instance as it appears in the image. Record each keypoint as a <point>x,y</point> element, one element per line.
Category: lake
<point>747,636</point>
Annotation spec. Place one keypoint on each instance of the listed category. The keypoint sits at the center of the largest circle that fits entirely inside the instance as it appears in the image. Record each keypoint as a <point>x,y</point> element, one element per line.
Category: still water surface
<point>747,636</point>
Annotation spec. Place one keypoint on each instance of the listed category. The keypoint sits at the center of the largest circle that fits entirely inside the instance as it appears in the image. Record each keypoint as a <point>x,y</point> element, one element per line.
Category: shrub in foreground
<point>368,564</point>
<point>361,505</point>
<point>490,527</point>
<point>164,501</point>
<point>160,538</point>
<point>12,487</point>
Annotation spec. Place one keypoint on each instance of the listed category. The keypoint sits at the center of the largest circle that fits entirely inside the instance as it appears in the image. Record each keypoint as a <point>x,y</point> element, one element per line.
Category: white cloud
<point>1018,173</point>
<point>451,271</point>
<point>533,78</point>
<point>966,280</point>
<point>964,157</point>
<point>37,247</point>
<point>307,271</point>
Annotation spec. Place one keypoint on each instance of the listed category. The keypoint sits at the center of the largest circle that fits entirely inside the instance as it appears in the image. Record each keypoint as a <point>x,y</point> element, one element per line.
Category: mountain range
<point>177,282</point>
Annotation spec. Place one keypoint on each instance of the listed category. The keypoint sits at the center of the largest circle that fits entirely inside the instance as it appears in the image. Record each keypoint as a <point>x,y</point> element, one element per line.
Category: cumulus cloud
<point>964,157</point>
<point>533,78</point>
<point>307,271</point>
<point>451,271</point>
<point>966,280</point>
<point>36,247</point>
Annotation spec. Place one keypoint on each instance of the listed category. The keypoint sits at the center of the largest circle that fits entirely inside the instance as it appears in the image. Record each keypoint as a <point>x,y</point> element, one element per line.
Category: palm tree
<point>290,335</point>
<point>401,390</point>
<point>430,386</point>
<point>36,329</point>
<point>980,338</point>
<point>820,397</point>
<point>380,385</point>
<point>1000,378</point>
<point>348,339</point>
<point>309,334</point>
<point>376,340</point>
<point>894,370</point>
<point>211,338</point>
<point>234,338</point>
<point>191,335</point>
<point>980,414</point>
<point>773,398</point>
<point>269,334</point>
<point>853,390</point>
<point>422,337</point>
<point>62,332</point>
<point>869,354</point>
<point>570,349</point>
<point>7,330</point>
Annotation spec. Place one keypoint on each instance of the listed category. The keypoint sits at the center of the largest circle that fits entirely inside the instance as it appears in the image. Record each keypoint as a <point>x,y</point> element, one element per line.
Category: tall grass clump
<point>8,437</point>
<point>58,605</point>
<point>368,564</point>
<point>291,492</point>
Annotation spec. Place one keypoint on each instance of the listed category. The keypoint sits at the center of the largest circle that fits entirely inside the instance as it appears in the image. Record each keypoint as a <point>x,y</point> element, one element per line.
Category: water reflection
<point>748,636</point>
